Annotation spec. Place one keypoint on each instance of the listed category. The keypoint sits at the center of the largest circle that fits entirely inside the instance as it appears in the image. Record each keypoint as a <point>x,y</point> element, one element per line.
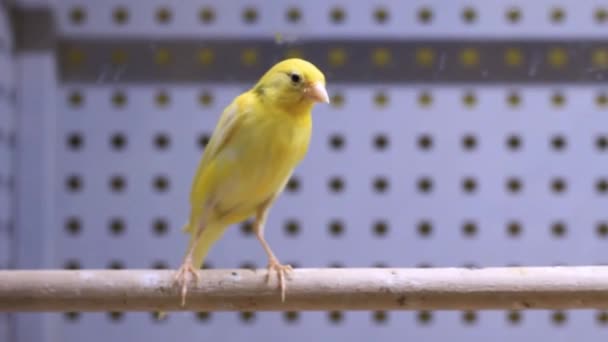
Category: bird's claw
<point>282,271</point>
<point>182,277</point>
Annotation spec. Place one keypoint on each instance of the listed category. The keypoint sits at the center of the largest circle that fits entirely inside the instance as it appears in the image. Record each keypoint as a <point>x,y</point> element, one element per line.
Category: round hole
<point>247,316</point>
<point>73,226</point>
<point>118,141</point>
<point>72,265</point>
<point>116,316</point>
<point>425,15</point>
<point>514,142</point>
<point>514,228</point>
<point>514,99</point>
<point>469,185</point>
<point>74,141</point>
<point>513,15</point>
<point>117,183</point>
<point>160,227</point>
<point>469,100</point>
<point>291,316</point>
<point>336,317</point>
<point>206,15</point>
<point>162,99</point>
<point>247,228</point>
<point>558,142</point>
<point>601,142</point>
<point>559,318</point>
<point>425,99</point>
<point>557,15</point>
<point>381,142</point>
<point>380,317</point>
<point>250,15</point>
<point>116,265</point>
<point>203,316</point>
<point>558,100</point>
<point>469,229</point>
<point>120,15</point>
<point>336,141</point>
<point>336,228</point>
<point>601,15</point>
<point>161,141</point>
<point>558,229</point>
<point>160,265</point>
<point>469,57</point>
<point>380,185</point>
<point>163,15</point>
<point>205,99</point>
<point>601,100</point>
<point>292,227</point>
<point>425,228</point>
<point>469,15</point>
<point>601,186</point>
<point>424,317</point>
<point>77,15</point>
<point>116,226</point>
<point>293,185</point>
<point>71,316</point>
<point>161,184</point>
<point>469,142</point>
<point>74,183</point>
<point>381,15</point>
<point>203,140</point>
<point>76,99</point>
<point>425,142</point>
<point>469,317</point>
<point>337,15</point>
<point>381,99</point>
<point>158,317</point>
<point>294,15</point>
<point>119,99</point>
<point>601,229</point>
<point>337,100</point>
<point>602,317</point>
<point>336,184</point>
<point>558,185</point>
<point>425,185</point>
<point>380,228</point>
<point>514,317</point>
<point>514,185</point>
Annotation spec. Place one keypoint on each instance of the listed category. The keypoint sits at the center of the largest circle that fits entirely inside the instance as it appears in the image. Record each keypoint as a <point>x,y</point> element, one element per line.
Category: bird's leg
<point>182,277</point>
<point>273,262</point>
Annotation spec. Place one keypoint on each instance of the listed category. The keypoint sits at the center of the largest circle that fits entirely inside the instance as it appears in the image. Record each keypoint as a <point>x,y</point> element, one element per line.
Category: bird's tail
<point>208,237</point>
<point>203,245</point>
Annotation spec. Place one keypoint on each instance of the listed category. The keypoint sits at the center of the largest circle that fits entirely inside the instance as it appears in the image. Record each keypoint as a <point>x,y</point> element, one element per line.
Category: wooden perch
<point>309,289</point>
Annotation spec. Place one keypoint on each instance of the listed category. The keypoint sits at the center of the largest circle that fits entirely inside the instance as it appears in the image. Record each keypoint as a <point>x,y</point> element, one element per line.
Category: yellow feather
<point>258,141</point>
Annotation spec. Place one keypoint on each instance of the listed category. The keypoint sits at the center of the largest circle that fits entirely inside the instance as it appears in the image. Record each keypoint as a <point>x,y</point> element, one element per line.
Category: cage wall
<point>460,134</point>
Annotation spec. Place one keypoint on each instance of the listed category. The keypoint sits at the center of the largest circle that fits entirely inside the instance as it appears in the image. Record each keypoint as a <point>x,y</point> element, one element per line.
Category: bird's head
<point>293,83</point>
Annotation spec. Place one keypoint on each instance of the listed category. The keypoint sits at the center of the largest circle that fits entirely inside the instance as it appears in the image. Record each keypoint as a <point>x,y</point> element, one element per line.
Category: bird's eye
<point>295,78</point>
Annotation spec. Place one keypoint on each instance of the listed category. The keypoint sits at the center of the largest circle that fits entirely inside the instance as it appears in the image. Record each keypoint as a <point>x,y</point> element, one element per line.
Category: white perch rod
<point>309,289</point>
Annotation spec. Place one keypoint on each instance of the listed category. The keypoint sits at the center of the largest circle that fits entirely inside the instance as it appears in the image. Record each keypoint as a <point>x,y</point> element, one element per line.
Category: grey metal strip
<point>358,61</point>
<point>33,29</point>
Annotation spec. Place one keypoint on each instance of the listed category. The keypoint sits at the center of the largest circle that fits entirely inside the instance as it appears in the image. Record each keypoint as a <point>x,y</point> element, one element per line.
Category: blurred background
<point>461,133</point>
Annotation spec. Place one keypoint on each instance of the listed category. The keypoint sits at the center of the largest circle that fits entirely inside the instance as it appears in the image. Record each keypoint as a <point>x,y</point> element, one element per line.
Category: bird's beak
<point>317,92</point>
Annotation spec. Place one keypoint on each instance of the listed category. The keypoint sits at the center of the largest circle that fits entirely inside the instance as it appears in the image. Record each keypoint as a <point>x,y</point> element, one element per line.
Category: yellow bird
<point>258,141</point>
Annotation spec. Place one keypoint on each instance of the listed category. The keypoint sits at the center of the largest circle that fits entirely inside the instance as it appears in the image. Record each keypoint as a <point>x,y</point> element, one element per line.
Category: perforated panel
<point>6,153</point>
<point>398,174</point>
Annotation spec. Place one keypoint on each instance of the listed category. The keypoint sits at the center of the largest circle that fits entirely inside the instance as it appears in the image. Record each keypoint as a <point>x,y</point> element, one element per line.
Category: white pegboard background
<point>137,226</point>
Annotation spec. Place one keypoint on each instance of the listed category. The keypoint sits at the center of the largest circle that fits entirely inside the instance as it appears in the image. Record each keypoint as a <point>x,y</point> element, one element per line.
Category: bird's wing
<point>227,126</point>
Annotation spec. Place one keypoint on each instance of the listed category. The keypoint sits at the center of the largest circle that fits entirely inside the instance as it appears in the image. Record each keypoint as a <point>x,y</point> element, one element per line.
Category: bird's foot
<point>184,274</point>
<point>282,271</point>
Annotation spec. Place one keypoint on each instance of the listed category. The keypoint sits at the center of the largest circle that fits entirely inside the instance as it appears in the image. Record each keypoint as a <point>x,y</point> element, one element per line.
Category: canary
<point>258,141</point>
